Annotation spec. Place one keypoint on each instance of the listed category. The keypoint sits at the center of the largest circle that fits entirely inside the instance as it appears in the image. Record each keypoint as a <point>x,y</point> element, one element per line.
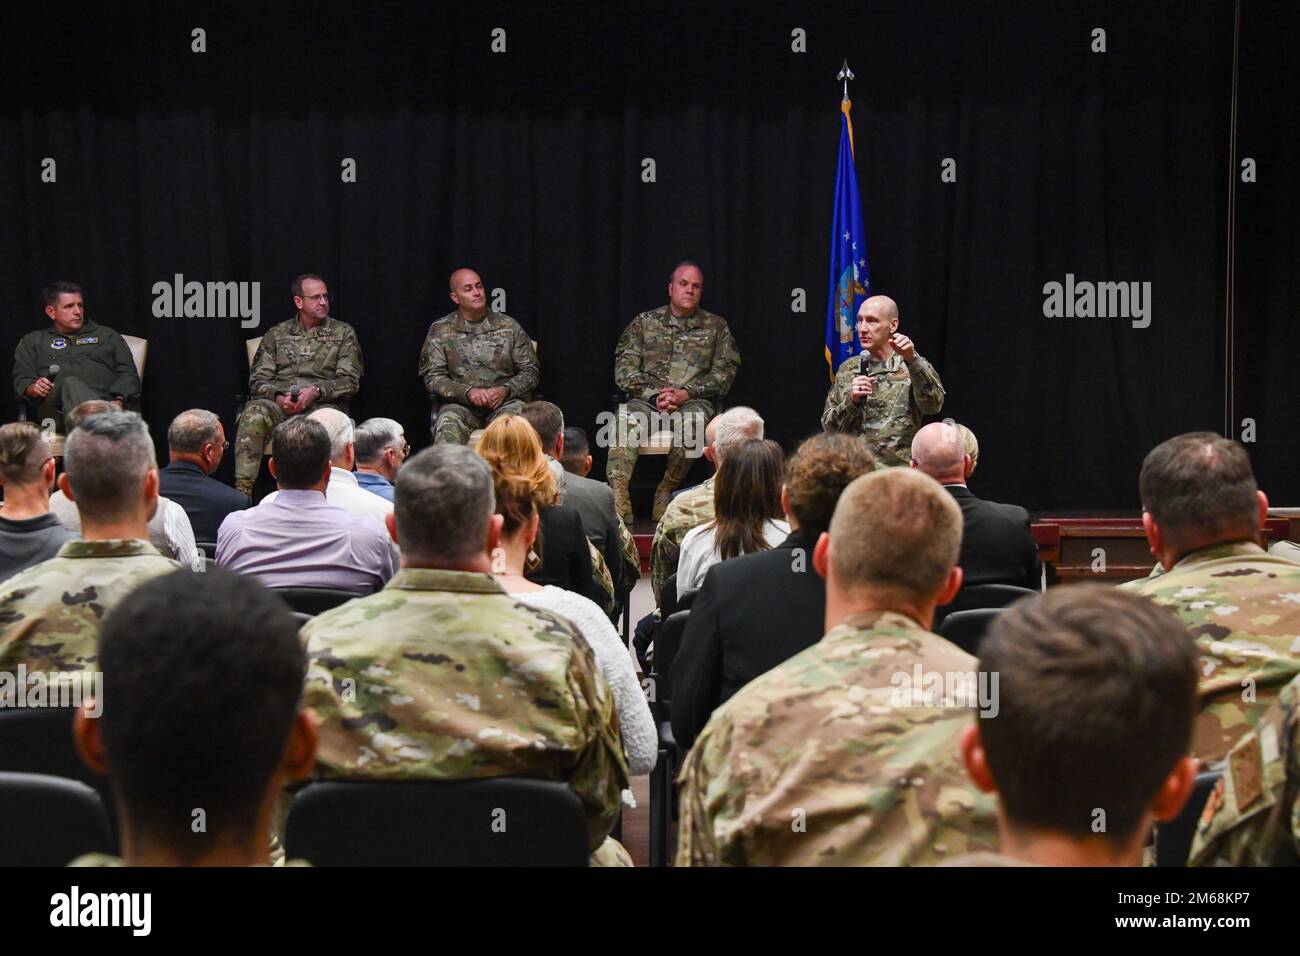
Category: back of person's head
<point>191,430</point>
<point>202,674</point>
<point>94,406</point>
<point>1199,488</point>
<point>300,453</point>
<point>339,428</point>
<point>1096,698</point>
<point>512,446</point>
<point>895,532</point>
<point>733,427</point>
<point>23,454</point>
<point>746,495</point>
<point>107,459</point>
<point>939,451</point>
<point>819,471</point>
<point>375,435</point>
<point>514,502</point>
<point>576,450</point>
<point>547,420</point>
<point>442,505</point>
<point>972,446</point>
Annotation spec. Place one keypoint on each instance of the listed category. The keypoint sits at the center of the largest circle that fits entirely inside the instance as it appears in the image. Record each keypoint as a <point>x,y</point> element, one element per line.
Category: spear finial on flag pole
<point>845,74</point>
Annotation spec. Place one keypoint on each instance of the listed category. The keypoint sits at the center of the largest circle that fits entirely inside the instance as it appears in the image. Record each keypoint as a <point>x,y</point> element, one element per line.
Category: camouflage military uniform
<point>1253,815</point>
<point>659,350</point>
<point>443,676</point>
<point>688,510</point>
<point>1242,606</point>
<point>813,764</point>
<point>631,557</point>
<point>890,416</point>
<point>94,362</point>
<point>459,355</point>
<point>327,356</point>
<point>602,581</point>
<point>51,613</point>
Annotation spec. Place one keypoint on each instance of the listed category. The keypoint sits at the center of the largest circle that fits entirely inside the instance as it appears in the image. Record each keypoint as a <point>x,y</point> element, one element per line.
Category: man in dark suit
<point>756,611</point>
<point>996,544</point>
<point>195,444</point>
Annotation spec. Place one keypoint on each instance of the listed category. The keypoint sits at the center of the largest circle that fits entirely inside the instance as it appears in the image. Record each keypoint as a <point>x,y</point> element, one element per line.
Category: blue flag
<point>849,276</point>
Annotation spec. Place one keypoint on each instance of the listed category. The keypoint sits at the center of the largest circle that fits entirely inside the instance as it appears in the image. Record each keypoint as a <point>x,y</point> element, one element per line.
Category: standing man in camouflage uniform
<point>442,675</point>
<point>1201,512</point>
<point>50,613</point>
<point>314,351</point>
<point>824,761</point>
<point>884,392</point>
<point>673,360</point>
<point>94,361</point>
<point>478,364</point>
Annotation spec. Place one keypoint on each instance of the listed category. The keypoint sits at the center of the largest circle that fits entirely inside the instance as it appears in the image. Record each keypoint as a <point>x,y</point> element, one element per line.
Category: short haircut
<point>23,453</point>
<point>939,449</point>
<point>897,531</point>
<point>94,406</point>
<point>301,452</point>
<point>374,435</point>
<point>737,424</point>
<point>971,444</point>
<point>819,471</point>
<point>442,504</point>
<point>1199,486</point>
<point>548,421</point>
<point>1096,703</point>
<point>747,495</point>
<point>576,449</point>
<point>338,426</point>
<point>191,430</point>
<point>685,262</point>
<point>202,677</point>
<point>107,458</point>
<point>50,294</point>
<point>296,288</point>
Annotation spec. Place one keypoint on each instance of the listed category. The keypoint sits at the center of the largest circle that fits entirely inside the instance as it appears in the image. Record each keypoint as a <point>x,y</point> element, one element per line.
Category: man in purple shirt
<point>299,539</point>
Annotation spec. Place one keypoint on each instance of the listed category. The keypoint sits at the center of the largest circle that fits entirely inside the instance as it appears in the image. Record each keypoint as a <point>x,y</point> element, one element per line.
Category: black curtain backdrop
<point>527,165</point>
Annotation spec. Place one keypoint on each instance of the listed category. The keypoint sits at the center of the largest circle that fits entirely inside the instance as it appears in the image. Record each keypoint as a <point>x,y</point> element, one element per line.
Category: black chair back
<point>209,548</point>
<point>980,596</point>
<point>966,628</point>
<point>38,740</point>
<point>668,597</point>
<point>1174,839</point>
<point>684,601</point>
<point>49,821</point>
<point>668,641</point>
<point>315,600</point>
<point>505,821</point>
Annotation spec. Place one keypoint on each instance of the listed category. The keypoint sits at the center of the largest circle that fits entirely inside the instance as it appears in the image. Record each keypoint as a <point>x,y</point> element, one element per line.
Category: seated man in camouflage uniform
<point>671,361</point>
<point>884,392</point>
<point>50,613</point>
<point>1201,511</point>
<point>313,351</point>
<point>444,676</point>
<point>476,364</point>
<point>825,760</point>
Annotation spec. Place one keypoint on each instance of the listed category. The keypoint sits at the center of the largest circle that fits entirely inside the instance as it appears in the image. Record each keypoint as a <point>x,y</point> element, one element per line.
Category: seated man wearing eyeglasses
<point>309,361</point>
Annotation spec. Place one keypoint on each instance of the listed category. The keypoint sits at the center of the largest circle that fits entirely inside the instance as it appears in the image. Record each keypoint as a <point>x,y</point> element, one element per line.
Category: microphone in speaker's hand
<point>293,392</point>
<point>52,371</point>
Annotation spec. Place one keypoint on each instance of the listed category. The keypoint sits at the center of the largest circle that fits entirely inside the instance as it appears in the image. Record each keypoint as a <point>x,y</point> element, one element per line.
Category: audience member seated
<point>202,677</point>
<point>515,505</point>
<point>169,527</point>
<point>829,759</point>
<point>747,513</point>
<point>575,455</point>
<point>344,490</point>
<point>1086,746</point>
<point>1201,510</point>
<point>454,678</point>
<point>51,612</point>
<point>562,556</point>
<point>29,534</point>
<point>694,507</point>
<point>755,611</point>
<point>196,443</point>
<point>295,537</point>
<point>381,447</point>
<point>997,546</point>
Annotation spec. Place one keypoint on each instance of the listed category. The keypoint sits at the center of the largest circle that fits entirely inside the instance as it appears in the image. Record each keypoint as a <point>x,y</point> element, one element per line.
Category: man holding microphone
<point>884,392</point>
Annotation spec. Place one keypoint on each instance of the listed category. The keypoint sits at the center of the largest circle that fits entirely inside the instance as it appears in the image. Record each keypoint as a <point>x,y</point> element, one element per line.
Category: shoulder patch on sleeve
<point>1245,763</point>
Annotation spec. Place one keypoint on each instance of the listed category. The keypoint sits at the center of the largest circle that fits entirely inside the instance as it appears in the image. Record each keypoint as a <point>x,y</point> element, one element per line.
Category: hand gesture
<point>903,346</point>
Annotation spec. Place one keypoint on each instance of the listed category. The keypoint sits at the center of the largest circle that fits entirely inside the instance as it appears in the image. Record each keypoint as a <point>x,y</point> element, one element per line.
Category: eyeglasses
<point>323,297</point>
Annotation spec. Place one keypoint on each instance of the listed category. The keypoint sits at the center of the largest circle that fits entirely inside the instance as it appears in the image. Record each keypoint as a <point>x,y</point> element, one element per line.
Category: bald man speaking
<point>477,363</point>
<point>883,393</point>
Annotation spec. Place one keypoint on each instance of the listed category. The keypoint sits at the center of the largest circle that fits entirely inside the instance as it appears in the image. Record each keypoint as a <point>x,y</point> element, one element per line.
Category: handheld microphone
<point>52,371</point>
<point>293,392</point>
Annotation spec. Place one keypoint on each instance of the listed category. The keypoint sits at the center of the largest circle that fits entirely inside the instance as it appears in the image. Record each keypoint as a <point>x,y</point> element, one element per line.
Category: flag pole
<point>846,104</point>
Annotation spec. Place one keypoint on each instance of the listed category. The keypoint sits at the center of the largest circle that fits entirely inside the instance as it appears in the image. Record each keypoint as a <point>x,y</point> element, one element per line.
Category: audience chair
<point>981,596</point>
<point>506,821</point>
<point>50,821</point>
<point>668,596</point>
<point>1174,839</point>
<point>209,548</point>
<point>312,601</point>
<point>966,628</point>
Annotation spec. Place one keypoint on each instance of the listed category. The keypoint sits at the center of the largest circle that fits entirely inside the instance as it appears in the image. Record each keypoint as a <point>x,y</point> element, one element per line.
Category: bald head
<point>467,292</point>
<point>940,452</point>
<point>881,305</point>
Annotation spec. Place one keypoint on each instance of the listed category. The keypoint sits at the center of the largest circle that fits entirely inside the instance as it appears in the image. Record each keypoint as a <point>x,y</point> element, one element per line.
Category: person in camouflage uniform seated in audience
<point>824,761</point>
<point>884,392</point>
<point>444,676</point>
<point>313,351</point>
